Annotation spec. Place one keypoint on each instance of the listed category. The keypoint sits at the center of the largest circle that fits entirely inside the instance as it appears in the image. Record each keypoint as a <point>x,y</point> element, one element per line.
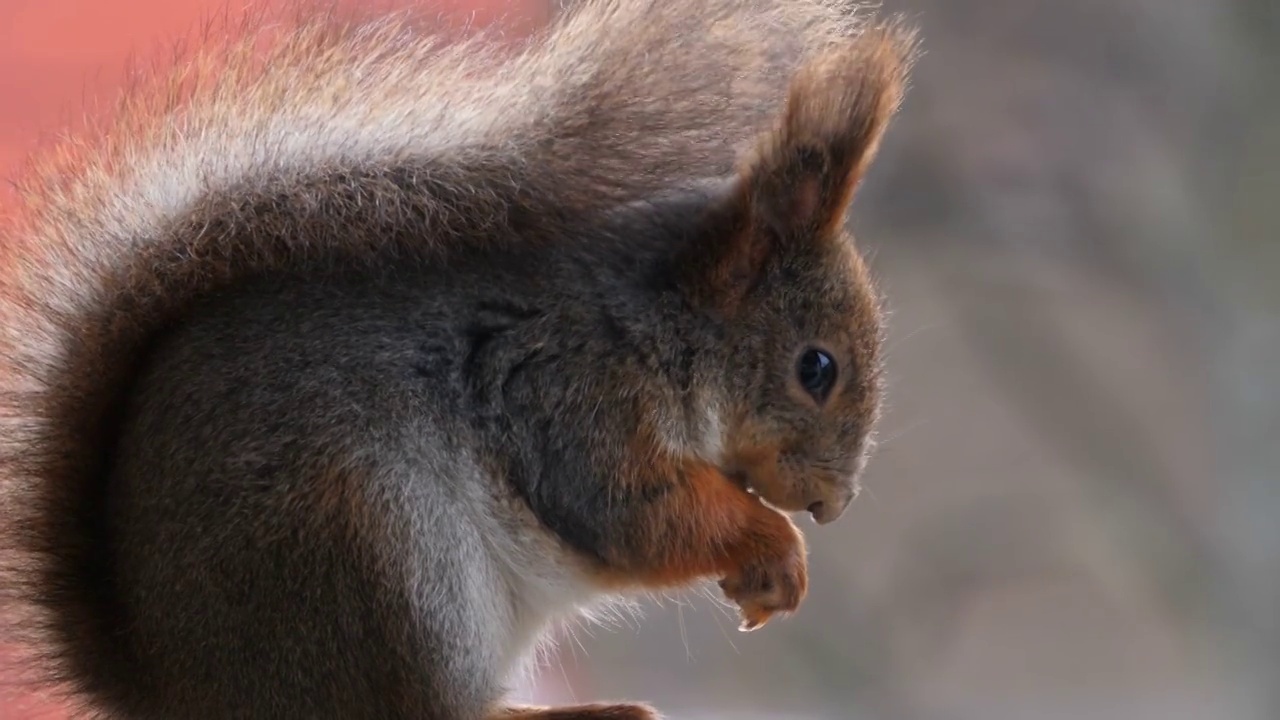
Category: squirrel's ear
<point>797,184</point>
<point>801,180</point>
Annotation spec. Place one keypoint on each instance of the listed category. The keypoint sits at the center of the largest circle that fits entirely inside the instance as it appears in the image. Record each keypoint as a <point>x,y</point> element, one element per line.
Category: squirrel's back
<point>329,143</point>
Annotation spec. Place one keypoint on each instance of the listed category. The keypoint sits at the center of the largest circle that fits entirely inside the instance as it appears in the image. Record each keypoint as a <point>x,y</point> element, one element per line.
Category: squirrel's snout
<point>831,502</point>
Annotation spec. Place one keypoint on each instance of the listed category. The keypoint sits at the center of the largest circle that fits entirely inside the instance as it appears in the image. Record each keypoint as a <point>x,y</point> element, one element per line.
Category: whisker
<point>684,632</point>
<point>892,347</point>
<point>902,432</point>
<point>871,496</point>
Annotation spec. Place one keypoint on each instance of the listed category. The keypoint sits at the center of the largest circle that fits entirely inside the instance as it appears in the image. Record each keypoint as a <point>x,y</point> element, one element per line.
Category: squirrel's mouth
<point>824,500</point>
<point>743,478</point>
<point>739,478</point>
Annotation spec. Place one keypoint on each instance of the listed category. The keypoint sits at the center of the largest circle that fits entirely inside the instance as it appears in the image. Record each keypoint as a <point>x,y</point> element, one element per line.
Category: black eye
<point>817,373</point>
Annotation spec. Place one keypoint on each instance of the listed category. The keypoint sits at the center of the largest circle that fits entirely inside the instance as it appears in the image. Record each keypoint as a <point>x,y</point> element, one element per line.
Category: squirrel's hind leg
<point>578,712</point>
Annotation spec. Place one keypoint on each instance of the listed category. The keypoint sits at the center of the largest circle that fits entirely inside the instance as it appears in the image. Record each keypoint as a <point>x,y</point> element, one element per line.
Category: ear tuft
<point>796,186</point>
<point>839,104</point>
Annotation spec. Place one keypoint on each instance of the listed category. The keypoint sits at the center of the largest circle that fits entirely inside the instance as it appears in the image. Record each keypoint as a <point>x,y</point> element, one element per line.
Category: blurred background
<point>1076,507</point>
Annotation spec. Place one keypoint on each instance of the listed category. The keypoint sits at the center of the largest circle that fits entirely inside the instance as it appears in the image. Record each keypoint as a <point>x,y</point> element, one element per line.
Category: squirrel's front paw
<point>774,582</point>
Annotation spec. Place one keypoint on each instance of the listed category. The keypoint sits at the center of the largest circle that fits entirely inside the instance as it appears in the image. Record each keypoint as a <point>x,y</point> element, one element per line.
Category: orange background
<point>58,57</point>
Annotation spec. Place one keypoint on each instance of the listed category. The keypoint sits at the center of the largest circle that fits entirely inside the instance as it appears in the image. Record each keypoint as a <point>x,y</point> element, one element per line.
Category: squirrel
<point>342,361</point>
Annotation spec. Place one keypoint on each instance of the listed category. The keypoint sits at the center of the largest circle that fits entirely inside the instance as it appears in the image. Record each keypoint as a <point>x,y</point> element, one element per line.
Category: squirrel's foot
<point>579,712</point>
<point>765,586</point>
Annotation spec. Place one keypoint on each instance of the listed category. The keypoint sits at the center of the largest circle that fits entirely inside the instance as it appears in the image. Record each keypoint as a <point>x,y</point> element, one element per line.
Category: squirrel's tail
<point>323,143</point>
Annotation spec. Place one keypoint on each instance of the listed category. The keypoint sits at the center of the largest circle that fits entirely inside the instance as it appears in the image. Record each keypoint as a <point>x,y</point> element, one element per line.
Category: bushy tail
<point>331,141</point>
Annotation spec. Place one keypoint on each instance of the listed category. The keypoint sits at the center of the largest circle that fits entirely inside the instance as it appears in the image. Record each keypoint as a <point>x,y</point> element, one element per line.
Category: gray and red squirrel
<point>342,362</point>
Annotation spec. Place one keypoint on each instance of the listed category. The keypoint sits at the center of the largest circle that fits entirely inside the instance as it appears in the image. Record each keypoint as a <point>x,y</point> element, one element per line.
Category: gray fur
<point>353,377</point>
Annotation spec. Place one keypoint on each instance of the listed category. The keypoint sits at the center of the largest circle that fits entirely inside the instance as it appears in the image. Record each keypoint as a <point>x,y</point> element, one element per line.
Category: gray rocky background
<point>1076,512</point>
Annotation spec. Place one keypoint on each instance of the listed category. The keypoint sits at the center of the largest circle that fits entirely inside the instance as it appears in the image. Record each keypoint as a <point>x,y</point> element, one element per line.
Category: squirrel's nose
<point>832,501</point>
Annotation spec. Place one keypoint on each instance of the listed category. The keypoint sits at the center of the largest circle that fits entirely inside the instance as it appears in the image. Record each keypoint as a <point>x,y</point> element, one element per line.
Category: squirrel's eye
<point>817,373</point>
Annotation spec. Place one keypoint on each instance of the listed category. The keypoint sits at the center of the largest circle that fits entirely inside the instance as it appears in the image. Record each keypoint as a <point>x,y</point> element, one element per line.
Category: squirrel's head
<point>800,352</point>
